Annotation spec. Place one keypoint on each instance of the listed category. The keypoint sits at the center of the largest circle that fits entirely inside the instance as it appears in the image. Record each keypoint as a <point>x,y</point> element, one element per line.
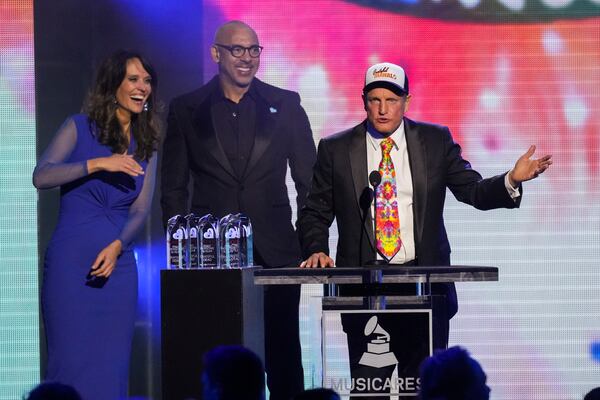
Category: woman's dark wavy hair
<point>101,106</point>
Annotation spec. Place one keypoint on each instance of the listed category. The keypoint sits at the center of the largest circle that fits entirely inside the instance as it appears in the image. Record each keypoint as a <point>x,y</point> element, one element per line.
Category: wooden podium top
<point>387,274</point>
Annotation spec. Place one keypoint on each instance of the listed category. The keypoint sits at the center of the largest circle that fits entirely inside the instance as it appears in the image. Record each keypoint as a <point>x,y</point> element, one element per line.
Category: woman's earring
<point>146,106</point>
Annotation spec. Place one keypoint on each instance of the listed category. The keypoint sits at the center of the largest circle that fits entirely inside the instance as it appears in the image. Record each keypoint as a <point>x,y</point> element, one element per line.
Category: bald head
<point>230,29</point>
<point>236,72</point>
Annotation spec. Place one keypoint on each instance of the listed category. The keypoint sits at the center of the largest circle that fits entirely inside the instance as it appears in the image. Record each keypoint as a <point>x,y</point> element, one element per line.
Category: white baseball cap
<point>386,75</point>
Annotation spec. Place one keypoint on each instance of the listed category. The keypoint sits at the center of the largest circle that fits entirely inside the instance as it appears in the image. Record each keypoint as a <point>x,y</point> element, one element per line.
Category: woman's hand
<point>115,163</point>
<point>107,259</point>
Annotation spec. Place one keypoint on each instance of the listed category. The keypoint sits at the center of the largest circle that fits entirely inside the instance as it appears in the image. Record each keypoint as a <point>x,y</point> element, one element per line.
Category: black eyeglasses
<point>239,51</point>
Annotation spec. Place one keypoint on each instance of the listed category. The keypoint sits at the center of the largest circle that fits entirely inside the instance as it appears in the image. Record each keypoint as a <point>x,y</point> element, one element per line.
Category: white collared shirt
<point>404,187</point>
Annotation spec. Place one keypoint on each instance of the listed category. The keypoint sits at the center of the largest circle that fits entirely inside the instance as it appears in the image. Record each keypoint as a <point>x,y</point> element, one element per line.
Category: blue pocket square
<point>273,110</point>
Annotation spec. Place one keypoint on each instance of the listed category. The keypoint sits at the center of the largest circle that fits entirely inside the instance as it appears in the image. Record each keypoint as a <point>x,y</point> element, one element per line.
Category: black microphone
<point>374,179</point>
<point>365,201</point>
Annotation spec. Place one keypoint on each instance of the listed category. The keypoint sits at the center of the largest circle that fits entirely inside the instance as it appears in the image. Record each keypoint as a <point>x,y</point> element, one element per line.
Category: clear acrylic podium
<point>384,336</point>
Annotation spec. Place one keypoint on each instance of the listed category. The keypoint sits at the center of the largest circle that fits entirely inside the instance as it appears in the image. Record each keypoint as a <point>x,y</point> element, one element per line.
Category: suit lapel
<point>264,123</point>
<point>417,154</point>
<point>357,151</point>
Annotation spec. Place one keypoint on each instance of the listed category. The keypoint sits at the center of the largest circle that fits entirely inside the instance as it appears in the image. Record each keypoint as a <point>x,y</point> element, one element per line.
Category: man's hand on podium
<point>318,260</point>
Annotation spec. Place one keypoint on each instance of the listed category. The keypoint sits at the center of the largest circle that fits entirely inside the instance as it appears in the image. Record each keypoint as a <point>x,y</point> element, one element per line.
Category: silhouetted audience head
<point>593,394</point>
<point>453,375</point>
<point>53,391</point>
<point>232,373</point>
<point>317,394</point>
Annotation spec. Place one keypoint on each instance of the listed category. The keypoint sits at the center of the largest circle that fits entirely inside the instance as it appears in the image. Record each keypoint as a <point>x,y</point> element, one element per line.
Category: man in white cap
<point>415,163</point>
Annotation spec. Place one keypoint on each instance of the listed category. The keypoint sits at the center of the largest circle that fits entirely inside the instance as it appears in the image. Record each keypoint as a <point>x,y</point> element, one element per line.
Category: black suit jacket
<point>192,148</point>
<point>340,181</point>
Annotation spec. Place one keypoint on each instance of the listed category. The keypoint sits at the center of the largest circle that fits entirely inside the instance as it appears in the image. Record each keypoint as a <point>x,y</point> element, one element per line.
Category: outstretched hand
<point>527,168</point>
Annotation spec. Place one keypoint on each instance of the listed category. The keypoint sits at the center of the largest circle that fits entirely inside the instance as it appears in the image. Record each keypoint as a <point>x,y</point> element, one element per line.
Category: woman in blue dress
<point>104,162</point>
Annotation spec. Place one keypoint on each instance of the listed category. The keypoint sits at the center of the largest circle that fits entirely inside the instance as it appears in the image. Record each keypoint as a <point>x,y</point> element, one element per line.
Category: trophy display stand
<point>201,309</point>
<point>373,339</point>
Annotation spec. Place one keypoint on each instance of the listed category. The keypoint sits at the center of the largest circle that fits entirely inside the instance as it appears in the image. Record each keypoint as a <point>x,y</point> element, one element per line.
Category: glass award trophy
<point>246,245</point>
<point>208,241</point>
<point>176,242</point>
<point>229,241</point>
<point>192,232</point>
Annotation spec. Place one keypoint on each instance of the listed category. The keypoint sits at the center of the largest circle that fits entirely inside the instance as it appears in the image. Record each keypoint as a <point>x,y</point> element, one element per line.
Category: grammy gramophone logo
<point>378,354</point>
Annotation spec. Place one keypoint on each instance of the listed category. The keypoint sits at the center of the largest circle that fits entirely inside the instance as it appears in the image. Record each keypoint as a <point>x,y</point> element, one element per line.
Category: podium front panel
<point>201,309</point>
<point>375,353</point>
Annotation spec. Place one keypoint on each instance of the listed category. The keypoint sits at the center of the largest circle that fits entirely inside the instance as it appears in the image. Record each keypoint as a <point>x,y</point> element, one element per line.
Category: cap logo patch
<point>383,73</point>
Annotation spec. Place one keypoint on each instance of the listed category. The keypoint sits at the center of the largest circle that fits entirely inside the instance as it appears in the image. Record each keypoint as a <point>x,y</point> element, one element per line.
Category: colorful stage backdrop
<point>501,74</point>
<point>19,328</point>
